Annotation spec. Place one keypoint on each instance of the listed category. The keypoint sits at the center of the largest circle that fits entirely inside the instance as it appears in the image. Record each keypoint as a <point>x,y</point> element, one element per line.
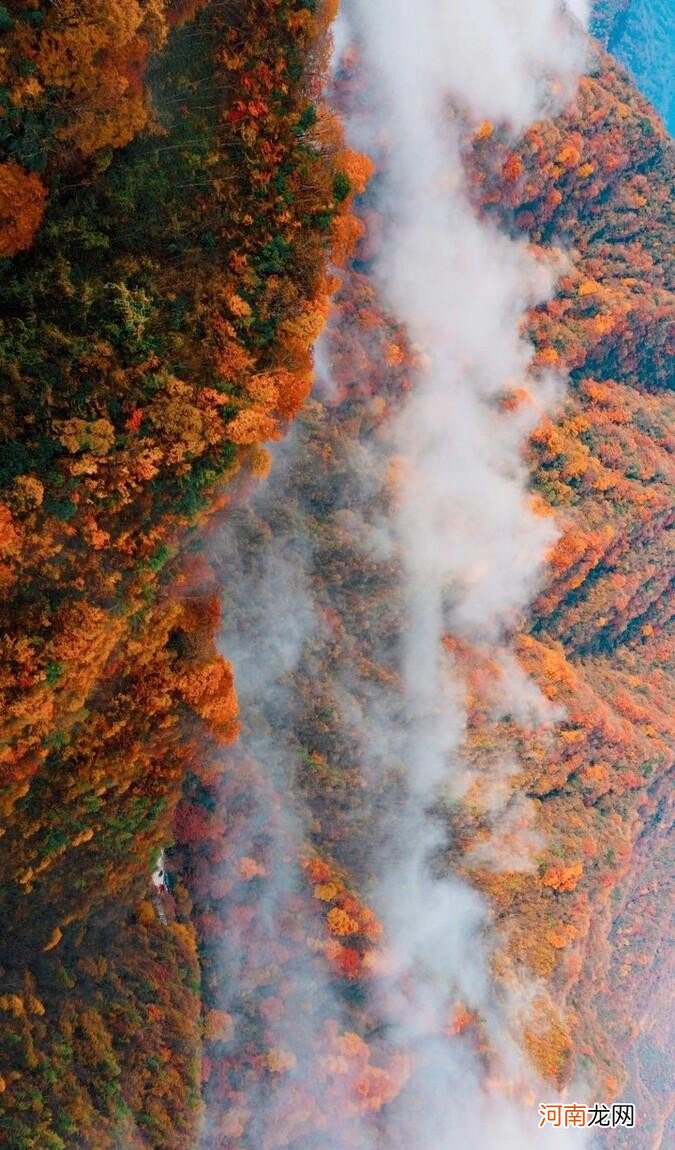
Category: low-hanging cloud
<point>470,553</point>
<point>472,550</point>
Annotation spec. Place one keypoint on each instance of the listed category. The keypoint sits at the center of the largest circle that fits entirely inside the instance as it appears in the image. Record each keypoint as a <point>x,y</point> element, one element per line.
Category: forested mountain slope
<point>168,192</point>
<point>606,618</point>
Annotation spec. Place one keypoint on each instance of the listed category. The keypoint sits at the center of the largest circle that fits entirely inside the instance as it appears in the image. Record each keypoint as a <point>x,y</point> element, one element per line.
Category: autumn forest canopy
<point>336,488</point>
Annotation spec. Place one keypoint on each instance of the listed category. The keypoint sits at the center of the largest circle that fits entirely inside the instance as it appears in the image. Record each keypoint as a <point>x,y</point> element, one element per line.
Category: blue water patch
<point>641,35</point>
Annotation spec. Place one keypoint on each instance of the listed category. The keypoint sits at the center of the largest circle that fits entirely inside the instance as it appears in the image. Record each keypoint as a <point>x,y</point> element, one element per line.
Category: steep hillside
<point>607,615</point>
<point>169,186</point>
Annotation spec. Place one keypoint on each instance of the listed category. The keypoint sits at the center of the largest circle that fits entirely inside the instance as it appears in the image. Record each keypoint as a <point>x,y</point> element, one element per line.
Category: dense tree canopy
<point>174,199</point>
